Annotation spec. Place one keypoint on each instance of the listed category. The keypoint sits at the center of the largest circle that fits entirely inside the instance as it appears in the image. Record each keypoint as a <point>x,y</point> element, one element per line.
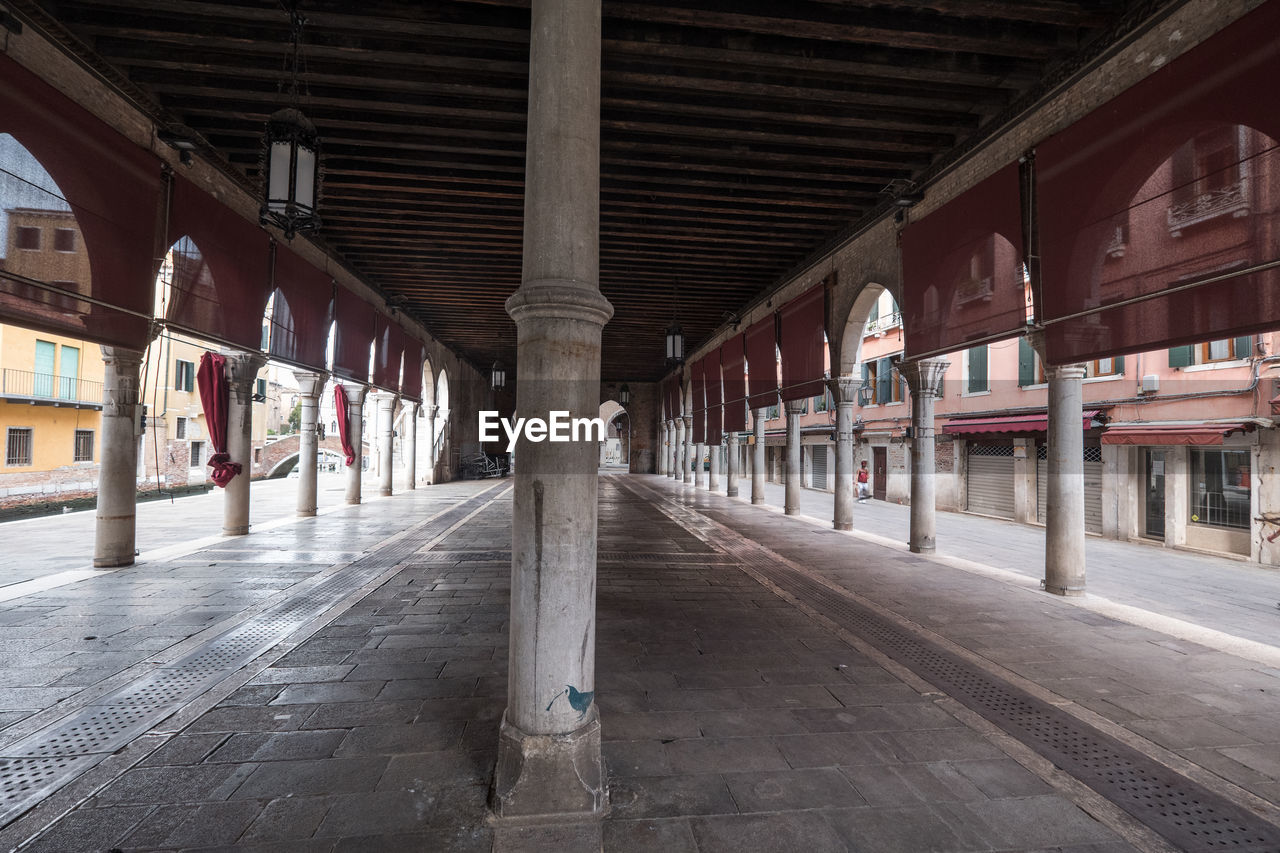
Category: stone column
<point>791,505</point>
<point>115,529</point>
<point>688,449</point>
<point>430,413</point>
<point>845,393</point>
<point>664,445</point>
<point>757,456</point>
<point>355,394</point>
<point>1064,568</point>
<point>604,452</point>
<point>699,473</point>
<point>713,480</point>
<point>242,375</point>
<point>409,446</point>
<point>924,378</point>
<point>309,386</point>
<point>549,760</point>
<point>731,476</point>
<point>677,451</point>
<point>384,403</point>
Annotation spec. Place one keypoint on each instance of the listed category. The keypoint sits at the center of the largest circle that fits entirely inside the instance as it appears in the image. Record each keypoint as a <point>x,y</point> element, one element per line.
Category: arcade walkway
<point>764,685</point>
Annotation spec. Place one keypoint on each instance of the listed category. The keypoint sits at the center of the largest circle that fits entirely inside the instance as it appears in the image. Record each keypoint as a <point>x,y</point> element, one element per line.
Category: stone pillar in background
<point>242,376</point>
<point>699,472</point>
<point>664,446</point>
<point>549,759</point>
<point>713,479</point>
<point>731,476</point>
<point>115,531</point>
<point>1064,561</point>
<point>844,391</point>
<point>309,387</point>
<point>355,394</point>
<point>924,378</point>
<point>791,505</point>
<point>384,428</point>
<point>688,449</point>
<point>677,451</point>
<point>409,445</point>
<point>757,456</point>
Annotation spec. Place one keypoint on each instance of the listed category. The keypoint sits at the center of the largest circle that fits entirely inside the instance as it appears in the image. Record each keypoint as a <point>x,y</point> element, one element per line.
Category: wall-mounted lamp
<point>183,143</point>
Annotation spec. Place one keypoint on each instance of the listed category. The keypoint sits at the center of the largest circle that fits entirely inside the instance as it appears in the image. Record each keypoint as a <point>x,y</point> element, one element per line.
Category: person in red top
<point>864,483</point>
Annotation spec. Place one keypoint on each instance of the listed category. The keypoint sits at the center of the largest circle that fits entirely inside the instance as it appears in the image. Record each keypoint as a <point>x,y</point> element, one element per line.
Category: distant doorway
<point>1155,494</point>
<point>879,472</point>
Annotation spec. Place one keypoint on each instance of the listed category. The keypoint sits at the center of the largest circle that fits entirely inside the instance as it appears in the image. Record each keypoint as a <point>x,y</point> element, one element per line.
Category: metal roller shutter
<point>819,466</point>
<point>989,489</point>
<point>1092,486</point>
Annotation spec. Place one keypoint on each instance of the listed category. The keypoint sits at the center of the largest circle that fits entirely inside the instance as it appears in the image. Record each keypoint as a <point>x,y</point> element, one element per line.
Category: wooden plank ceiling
<point>738,135</point>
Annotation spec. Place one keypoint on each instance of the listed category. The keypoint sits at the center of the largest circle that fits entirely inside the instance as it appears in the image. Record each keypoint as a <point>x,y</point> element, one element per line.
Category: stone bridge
<point>280,457</point>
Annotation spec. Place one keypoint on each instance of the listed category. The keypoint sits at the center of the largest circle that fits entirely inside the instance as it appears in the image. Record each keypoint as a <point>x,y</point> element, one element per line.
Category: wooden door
<point>879,472</point>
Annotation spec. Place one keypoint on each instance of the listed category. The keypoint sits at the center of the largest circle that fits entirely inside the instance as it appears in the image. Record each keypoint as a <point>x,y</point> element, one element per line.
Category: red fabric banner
<point>357,321</point>
<point>1159,211</point>
<point>221,269</point>
<point>802,339</point>
<point>301,312</point>
<point>733,363</point>
<point>340,407</point>
<point>962,269</point>
<point>715,408</point>
<point>215,397</point>
<point>700,401</point>
<point>108,195</point>
<point>761,344</point>
<point>386,357</point>
<point>415,354</point>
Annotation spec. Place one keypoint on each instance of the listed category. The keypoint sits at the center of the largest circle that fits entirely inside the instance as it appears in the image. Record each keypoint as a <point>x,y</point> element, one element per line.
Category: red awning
<point>1189,434</point>
<point>1012,425</point>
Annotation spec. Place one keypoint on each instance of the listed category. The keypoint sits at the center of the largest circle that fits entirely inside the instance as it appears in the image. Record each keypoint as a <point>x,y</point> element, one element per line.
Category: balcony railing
<point>884,322</point>
<point>29,385</point>
<point>1231,200</point>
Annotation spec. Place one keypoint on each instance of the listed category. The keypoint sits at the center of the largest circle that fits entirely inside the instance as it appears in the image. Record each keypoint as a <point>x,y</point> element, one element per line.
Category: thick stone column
<point>688,449</point>
<point>409,445</point>
<point>549,760</point>
<point>699,473</point>
<point>309,386</point>
<point>757,456</point>
<point>731,475</point>
<point>924,378</point>
<point>116,526</point>
<point>430,413</point>
<point>1064,538</point>
<point>242,374</point>
<point>791,504</point>
<point>355,394</point>
<point>845,393</point>
<point>384,403</point>
<point>664,445</point>
<point>713,480</point>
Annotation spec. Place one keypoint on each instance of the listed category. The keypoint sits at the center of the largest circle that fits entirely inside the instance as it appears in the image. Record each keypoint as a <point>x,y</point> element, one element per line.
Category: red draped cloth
<point>215,397</point>
<point>340,405</point>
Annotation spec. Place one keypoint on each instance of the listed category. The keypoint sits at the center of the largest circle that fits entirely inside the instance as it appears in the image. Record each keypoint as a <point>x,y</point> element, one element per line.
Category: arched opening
<point>425,448</point>
<point>442,453</point>
<point>615,450</point>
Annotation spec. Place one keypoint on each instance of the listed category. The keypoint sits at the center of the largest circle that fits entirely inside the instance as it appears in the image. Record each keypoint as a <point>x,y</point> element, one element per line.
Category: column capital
<point>924,375</point>
<point>310,383</point>
<point>355,392</point>
<point>121,358</point>
<point>1065,372</point>
<point>796,407</point>
<point>559,300</point>
<point>382,398</point>
<point>242,370</point>
<point>844,389</point>
<point>731,437</point>
<point>688,421</point>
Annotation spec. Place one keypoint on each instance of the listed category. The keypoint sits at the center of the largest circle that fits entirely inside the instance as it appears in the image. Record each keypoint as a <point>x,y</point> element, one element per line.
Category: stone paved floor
<point>733,719</point>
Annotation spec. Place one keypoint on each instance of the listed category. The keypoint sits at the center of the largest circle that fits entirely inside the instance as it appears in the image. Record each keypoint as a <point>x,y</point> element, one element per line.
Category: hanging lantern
<point>675,344</point>
<point>291,159</point>
<point>624,394</point>
<point>291,153</point>
<point>497,375</point>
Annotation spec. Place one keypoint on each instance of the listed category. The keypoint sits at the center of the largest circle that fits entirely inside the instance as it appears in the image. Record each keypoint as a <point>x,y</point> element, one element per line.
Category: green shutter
<point>1119,363</point>
<point>1242,347</point>
<point>1026,363</point>
<point>875,312</point>
<point>866,374</point>
<point>1181,356</point>
<point>884,380</point>
<point>978,369</point>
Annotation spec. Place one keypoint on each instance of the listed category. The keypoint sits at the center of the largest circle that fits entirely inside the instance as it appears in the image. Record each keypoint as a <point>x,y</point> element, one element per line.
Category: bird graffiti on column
<point>578,700</point>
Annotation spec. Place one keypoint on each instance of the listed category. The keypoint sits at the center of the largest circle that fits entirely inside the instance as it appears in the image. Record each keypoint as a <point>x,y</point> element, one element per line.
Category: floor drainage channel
<point>35,766</point>
<point>1185,813</point>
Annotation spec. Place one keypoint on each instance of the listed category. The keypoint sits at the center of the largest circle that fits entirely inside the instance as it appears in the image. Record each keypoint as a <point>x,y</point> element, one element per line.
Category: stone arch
<point>855,322</point>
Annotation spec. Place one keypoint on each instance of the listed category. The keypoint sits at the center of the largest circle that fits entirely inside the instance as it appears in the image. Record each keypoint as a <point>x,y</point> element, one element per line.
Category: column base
<point>112,562</point>
<point>235,531</point>
<point>842,525</point>
<point>1061,590</point>
<point>757,501</point>
<point>386,493</point>
<point>791,510</point>
<point>731,493</point>
<point>540,776</point>
<point>306,513</point>
<point>353,502</point>
<point>922,548</point>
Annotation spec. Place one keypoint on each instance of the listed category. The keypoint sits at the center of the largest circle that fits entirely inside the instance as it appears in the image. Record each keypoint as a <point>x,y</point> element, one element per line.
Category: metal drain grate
<point>37,765</point>
<point>1182,811</point>
<point>665,557</point>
